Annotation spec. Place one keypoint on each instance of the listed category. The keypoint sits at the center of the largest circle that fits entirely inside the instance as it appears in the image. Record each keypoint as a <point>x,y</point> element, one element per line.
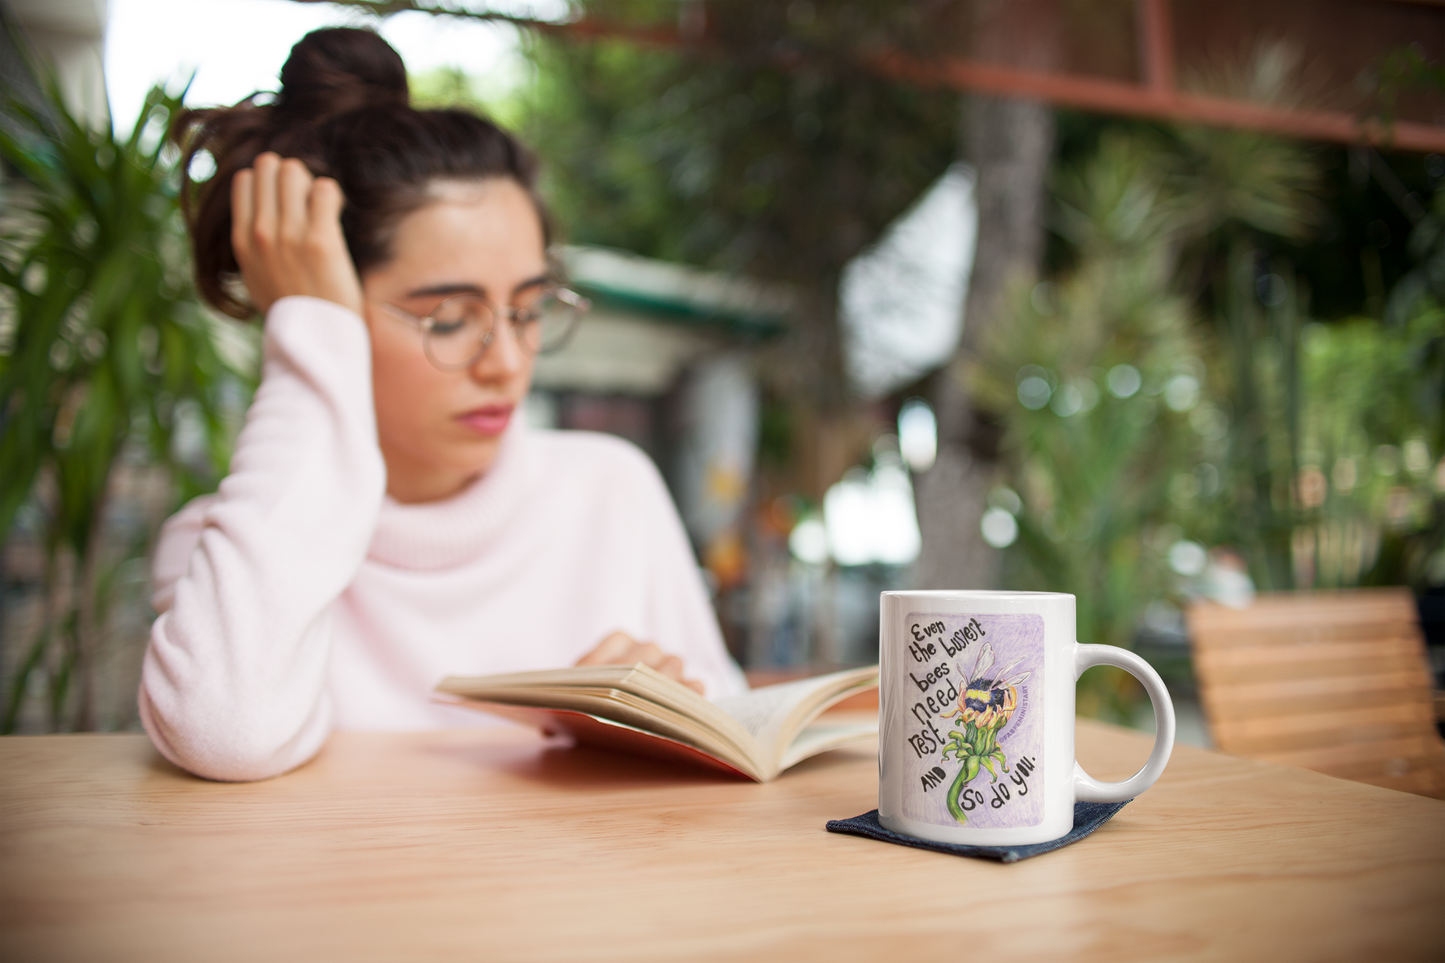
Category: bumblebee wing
<point>1016,679</point>
<point>984,663</point>
<point>1003,671</point>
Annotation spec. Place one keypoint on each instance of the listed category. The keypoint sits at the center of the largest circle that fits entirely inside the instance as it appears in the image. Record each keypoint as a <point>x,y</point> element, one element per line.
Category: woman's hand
<point>619,648</point>
<point>286,233</point>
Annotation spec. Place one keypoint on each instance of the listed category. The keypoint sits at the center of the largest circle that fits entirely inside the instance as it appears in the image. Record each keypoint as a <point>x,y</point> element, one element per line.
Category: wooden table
<point>490,845</point>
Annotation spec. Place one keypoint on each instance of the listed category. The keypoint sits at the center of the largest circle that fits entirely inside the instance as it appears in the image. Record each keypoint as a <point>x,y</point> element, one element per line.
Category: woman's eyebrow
<point>449,289</point>
<point>535,282</point>
<point>446,290</point>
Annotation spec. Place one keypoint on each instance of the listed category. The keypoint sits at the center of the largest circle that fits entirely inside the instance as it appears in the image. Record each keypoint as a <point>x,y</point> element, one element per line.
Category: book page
<point>753,730</point>
<point>774,714</point>
<point>577,675</point>
<point>763,711</point>
<point>822,736</point>
<point>623,707</point>
<point>605,731</point>
<point>544,687</point>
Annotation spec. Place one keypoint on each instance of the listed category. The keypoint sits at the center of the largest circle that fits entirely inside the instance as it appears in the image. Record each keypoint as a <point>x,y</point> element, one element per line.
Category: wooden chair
<point>1331,681</point>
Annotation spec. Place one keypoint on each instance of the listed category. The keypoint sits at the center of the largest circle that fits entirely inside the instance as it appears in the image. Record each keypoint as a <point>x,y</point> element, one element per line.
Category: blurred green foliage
<point>1426,278</point>
<point>1168,384</point>
<point>769,152</point>
<point>1085,373</point>
<point>1310,423</point>
<point>1371,483</point>
<point>105,358</point>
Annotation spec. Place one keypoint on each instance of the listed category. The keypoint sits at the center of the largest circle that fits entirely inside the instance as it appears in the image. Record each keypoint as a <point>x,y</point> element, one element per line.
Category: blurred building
<point>663,360</point>
<point>70,35</point>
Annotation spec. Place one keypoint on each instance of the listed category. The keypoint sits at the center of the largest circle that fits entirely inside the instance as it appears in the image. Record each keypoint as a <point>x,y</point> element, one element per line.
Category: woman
<point>387,519</point>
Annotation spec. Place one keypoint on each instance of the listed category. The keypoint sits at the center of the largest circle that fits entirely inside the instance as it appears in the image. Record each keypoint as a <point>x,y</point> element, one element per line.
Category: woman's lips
<point>491,420</point>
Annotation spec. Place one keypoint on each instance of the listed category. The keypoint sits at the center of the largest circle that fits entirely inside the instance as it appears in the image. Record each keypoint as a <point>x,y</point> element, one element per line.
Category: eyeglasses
<point>459,331</point>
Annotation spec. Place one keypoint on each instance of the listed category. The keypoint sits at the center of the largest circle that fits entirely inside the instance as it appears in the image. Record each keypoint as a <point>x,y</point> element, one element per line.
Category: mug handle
<point>1086,787</point>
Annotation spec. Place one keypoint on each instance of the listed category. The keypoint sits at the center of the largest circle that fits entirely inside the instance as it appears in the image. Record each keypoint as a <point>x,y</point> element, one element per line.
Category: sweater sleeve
<point>233,685</point>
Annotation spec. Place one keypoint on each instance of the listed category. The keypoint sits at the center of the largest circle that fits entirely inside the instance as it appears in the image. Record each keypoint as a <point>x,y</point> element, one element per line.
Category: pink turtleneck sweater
<point>300,598</point>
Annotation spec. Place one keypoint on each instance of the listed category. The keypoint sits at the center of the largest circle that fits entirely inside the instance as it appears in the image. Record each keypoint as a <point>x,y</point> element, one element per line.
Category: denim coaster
<point>1088,816</point>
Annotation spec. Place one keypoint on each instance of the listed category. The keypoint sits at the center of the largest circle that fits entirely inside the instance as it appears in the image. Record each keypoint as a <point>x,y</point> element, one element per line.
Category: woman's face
<point>439,430</point>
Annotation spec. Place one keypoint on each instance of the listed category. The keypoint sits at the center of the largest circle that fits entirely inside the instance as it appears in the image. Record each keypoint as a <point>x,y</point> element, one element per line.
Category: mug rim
<point>991,593</point>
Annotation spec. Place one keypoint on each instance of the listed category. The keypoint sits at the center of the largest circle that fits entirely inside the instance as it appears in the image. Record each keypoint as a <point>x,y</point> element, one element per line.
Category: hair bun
<point>337,70</point>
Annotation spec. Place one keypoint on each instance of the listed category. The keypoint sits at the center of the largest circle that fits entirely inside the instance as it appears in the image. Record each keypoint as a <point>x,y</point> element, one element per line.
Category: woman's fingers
<point>243,213</point>
<point>325,206</point>
<point>621,649</point>
<point>672,667</point>
<point>612,650</point>
<point>293,190</point>
<point>263,222</point>
<point>253,222</point>
<point>326,245</point>
<point>286,234</point>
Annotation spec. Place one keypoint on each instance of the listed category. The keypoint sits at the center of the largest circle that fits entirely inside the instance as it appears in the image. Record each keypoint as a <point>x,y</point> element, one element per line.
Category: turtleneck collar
<point>447,533</point>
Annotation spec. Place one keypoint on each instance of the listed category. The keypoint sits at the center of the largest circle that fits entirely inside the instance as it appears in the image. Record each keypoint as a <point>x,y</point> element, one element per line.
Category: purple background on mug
<point>936,678</point>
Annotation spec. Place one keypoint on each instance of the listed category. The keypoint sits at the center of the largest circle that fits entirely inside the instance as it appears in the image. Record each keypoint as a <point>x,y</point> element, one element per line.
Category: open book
<point>634,708</point>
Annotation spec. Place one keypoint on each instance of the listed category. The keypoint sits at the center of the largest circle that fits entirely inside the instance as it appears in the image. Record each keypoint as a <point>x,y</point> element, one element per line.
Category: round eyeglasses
<point>459,331</point>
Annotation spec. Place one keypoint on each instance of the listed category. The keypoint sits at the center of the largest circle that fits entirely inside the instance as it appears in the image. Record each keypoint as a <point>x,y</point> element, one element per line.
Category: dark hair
<point>344,109</point>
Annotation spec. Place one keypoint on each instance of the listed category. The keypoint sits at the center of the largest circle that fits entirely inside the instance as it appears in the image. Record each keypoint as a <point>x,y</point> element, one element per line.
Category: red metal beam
<point>1132,100</point>
<point>1156,99</point>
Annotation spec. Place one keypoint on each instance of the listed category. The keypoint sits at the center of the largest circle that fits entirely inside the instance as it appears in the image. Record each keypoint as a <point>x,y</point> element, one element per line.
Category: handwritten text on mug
<point>928,740</point>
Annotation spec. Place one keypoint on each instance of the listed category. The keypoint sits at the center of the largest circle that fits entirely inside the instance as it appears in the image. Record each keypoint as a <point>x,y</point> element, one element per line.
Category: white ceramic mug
<point>976,717</point>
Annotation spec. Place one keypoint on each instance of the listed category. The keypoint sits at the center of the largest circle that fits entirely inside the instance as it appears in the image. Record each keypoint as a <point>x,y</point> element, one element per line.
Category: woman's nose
<point>504,358</point>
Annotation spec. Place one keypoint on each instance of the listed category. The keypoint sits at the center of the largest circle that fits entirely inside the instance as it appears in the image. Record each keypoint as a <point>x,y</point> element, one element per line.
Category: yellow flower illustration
<point>985,705</point>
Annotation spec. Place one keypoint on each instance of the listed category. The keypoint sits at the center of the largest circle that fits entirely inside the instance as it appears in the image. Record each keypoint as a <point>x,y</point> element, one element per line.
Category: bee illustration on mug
<point>985,705</point>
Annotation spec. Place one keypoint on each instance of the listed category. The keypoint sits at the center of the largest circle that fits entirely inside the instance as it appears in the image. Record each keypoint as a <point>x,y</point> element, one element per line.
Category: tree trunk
<point>1010,144</point>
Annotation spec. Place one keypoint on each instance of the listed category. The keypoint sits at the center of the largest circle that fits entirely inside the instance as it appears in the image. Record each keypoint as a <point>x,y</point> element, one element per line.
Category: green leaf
<point>92,244</point>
